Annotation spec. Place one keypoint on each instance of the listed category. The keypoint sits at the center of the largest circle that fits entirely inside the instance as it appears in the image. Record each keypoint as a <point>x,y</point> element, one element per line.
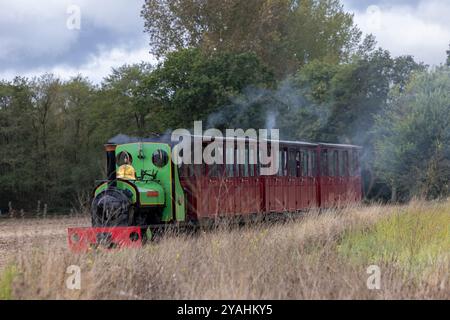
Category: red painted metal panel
<point>279,198</point>
<point>271,193</point>
<point>212,188</point>
<point>83,239</point>
<point>311,201</point>
<point>229,198</point>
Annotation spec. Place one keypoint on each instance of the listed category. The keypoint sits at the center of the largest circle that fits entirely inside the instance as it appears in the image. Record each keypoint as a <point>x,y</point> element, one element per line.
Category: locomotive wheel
<point>111,208</point>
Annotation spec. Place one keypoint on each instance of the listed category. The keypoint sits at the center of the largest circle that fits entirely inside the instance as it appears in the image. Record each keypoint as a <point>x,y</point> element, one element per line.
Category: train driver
<point>126,171</point>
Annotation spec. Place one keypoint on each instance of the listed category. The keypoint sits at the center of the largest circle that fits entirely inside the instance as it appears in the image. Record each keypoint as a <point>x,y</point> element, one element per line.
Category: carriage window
<point>236,162</point>
<point>280,163</point>
<point>258,163</point>
<point>332,164</point>
<point>355,163</point>
<point>282,170</point>
<point>351,166</point>
<point>304,163</point>
<point>292,163</point>
<point>315,164</point>
<point>252,160</point>
<point>298,164</point>
<point>312,163</point>
<point>245,165</point>
<point>241,162</point>
<point>343,164</point>
<point>229,157</point>
<point>324,163</point>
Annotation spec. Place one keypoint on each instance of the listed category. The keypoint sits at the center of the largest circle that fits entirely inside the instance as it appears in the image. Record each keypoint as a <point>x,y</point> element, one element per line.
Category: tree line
<point>300,66</point>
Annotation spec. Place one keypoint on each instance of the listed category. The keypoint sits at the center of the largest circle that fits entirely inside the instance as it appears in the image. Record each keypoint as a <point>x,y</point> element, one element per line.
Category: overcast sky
<point>34,37</point>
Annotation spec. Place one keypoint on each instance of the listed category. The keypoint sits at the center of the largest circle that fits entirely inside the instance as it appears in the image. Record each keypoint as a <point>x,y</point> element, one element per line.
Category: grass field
<point>320,256</point>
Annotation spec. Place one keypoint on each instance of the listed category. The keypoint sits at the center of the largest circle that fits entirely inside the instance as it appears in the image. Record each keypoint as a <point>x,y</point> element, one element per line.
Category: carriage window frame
<point>333,164</point>
<point>324,159</point>
<point>343,164</point>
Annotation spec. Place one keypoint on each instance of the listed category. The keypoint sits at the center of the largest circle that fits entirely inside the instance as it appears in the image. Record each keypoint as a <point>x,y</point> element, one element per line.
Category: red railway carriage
<point>310,175</point>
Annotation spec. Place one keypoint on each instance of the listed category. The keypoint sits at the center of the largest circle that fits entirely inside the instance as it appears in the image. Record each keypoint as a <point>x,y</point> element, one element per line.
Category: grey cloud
<point>34,35</point>
<point>363,4</point>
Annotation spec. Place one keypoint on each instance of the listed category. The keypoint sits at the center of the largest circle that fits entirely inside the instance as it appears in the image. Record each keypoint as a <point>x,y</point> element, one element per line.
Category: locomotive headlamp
<point>160,158</point>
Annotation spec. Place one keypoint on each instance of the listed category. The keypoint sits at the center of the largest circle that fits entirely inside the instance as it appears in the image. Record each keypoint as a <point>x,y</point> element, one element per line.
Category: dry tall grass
<point>322,256</point>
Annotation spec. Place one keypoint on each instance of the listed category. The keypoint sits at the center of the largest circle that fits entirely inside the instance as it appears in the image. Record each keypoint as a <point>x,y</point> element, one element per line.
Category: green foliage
<point>413,238</point>
<point>6,280</point>
<point>47,141</point>
<point>355,92</point>
<point>130,93</point>
<point>192,85</point>
<point>285,34</point>
<point>412,147</point>
<point>448,58</point>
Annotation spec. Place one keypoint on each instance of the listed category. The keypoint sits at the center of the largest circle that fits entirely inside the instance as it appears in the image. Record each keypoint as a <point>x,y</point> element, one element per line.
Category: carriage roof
<point>123,139</point>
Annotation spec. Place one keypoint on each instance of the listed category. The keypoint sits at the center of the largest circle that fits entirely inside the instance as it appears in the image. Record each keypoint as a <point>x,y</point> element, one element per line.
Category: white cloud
<point>34,38</point>
<point>35,34</point>
<point>422,31</point>
<point>118,15</point>
<point>98,66</point>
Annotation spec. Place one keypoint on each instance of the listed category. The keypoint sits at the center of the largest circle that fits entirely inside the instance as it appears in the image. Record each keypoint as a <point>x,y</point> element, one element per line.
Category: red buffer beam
<point>83,239</point>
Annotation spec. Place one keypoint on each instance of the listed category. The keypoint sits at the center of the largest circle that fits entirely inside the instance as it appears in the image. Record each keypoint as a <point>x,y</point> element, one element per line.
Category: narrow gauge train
<point>145,189</point>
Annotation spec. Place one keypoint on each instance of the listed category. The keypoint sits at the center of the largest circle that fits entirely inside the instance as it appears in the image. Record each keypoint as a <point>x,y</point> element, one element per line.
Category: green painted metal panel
<point>180,205</point>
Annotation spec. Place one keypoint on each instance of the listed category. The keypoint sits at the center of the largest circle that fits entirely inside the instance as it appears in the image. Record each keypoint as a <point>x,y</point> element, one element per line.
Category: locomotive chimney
<point>111,162</point>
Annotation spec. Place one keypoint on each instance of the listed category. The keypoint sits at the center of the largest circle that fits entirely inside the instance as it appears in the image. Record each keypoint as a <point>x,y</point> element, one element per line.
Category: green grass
<point>6,281</point>
<point>413,238</point>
